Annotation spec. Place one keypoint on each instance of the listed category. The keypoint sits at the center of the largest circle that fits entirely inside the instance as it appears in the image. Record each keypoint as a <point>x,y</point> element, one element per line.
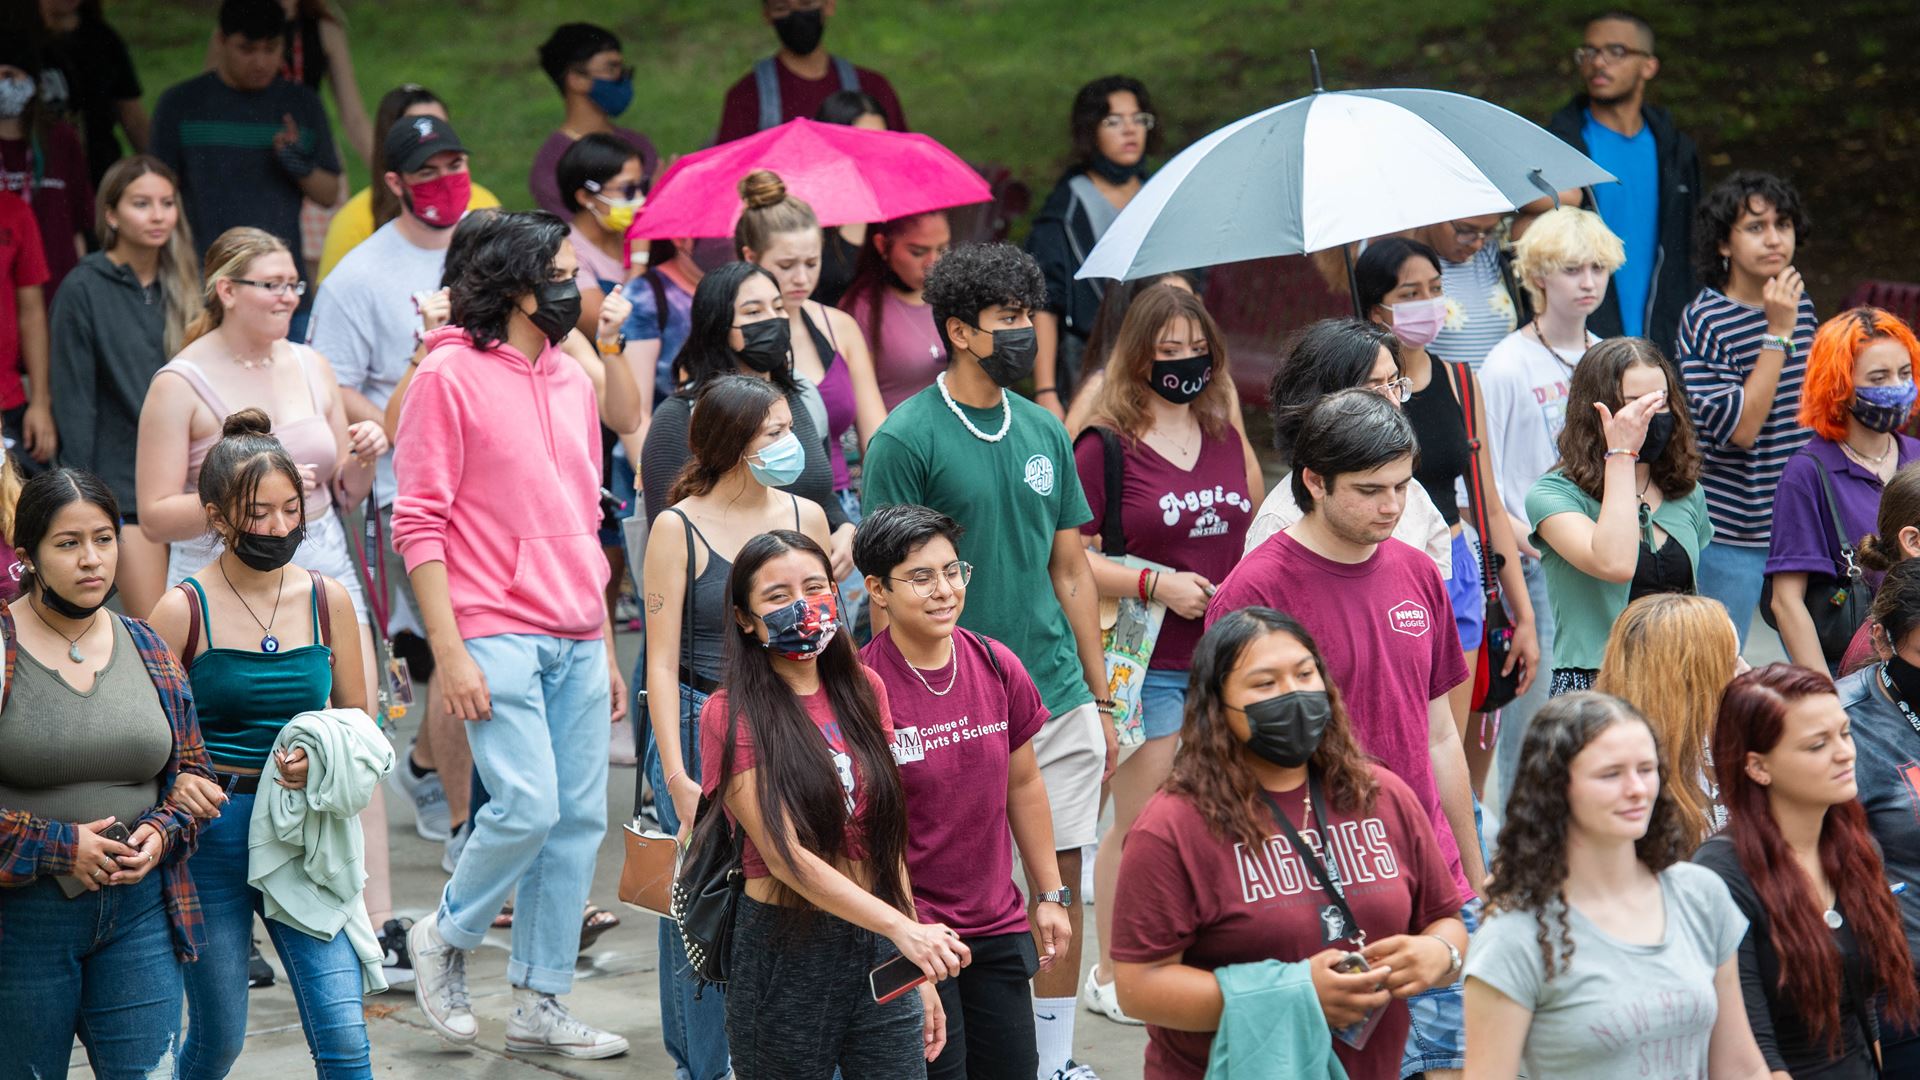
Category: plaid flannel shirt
<point>32,847</point>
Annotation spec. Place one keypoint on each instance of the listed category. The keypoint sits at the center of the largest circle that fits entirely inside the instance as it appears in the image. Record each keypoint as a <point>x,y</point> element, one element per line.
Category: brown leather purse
<point>646,877</point>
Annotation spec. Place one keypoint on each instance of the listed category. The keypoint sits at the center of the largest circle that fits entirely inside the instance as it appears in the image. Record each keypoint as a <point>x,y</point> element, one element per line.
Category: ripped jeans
<point>100,966</point>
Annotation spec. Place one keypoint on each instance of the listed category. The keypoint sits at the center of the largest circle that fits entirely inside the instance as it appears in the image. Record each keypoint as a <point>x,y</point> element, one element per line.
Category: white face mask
<point>14,96</point>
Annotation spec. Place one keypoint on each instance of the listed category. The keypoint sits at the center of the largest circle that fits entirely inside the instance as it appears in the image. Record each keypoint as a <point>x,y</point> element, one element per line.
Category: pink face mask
<point>1417,322</point>
<point>441,201</point>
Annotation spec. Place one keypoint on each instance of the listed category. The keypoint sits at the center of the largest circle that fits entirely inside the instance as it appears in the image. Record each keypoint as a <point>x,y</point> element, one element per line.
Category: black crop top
<point>1442,431</point>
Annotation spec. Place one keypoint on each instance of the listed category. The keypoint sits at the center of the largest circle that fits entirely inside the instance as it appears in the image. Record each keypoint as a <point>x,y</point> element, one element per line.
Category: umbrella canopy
<point>1331,169</point>
<point>846,174</point>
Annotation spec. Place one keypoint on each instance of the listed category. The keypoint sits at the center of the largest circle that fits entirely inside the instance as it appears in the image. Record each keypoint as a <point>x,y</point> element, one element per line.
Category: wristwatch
<point>1453,961</point>
<point>1064,897</point>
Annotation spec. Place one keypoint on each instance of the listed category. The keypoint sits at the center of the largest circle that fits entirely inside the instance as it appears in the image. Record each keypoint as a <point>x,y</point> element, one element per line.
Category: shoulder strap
<point>766,85</point>
<point>849,75</point>
<point>659,288</point>
<point>197,379</point>
<point>13,652</point>
<point>796,512</point>
<point>1460,377</point>
<point>686,649</point>
<point>196,614</point>
<point>1113,536</point>
<point>987,644</point>
<point>1850,567</point>
<point>322,610</point>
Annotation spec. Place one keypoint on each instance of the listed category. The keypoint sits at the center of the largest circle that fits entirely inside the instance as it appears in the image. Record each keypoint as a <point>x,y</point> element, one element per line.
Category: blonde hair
<point>10,485</point>
<point>1562,237</point>
<point>1671,656</point>
<point>229,257</point>
<point>178,270</point>
<point>768,211</point>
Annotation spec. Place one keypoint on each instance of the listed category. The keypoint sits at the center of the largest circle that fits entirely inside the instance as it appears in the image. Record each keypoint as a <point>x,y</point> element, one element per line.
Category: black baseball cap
<point>415,139</point>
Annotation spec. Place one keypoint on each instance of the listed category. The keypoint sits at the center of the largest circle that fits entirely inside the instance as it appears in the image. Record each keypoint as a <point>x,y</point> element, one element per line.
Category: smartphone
<point>117,832</point>
<point>893,978</point>
<point>1357,1033</point>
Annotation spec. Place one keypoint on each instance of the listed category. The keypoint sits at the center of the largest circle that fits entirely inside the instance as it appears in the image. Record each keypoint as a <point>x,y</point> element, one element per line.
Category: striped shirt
<point>1718,345</point>
<point>1480,311</point>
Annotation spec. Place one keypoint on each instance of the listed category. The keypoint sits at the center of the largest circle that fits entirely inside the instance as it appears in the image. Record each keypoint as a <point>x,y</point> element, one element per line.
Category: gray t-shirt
<point>1887,771</point>
<point>1622,1009</point>
<point>364,319</point>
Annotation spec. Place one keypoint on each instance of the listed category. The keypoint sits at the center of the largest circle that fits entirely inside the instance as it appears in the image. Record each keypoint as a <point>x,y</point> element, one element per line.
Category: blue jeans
<point>101,966</point>
<point>693,1027</point>
<point>853,591</point>
<point>1733,576</point>
<point>543,757</point>
<point>325,975</point>
<point>1515,718</point>
<point>1438,1036</point>
<point>1163,703</point>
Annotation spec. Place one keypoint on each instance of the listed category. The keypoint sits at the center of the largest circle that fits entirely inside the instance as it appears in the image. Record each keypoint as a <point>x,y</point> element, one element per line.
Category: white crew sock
<point>1053,1032</point>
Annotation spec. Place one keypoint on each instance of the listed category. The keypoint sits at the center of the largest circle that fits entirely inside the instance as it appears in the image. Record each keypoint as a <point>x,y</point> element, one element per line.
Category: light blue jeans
<point>543,758</point>
<point>1517,716</point>
<point>1733,576</point>
<point>693,1023</point>
<point>324,975</point>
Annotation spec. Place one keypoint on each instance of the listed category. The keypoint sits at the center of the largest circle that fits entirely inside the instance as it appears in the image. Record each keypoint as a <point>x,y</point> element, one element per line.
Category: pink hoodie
<point>498,463</point>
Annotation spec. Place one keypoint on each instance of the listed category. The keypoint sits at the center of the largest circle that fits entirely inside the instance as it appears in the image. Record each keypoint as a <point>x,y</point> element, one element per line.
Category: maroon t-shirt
<point>819,709</point>
<point>953,750</point>
<point>1186,890</point>
<point>740,115</point>
<point>1190,519</point>
<point>23,262</point>
<point>1385,630</point>
<point>51,173</point>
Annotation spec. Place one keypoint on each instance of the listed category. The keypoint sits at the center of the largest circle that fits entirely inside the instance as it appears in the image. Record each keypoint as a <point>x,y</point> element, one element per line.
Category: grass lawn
<point>1818,92</point>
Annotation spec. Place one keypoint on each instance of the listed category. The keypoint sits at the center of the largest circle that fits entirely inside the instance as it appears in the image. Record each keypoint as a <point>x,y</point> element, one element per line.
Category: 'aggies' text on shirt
<point>1275,870</point>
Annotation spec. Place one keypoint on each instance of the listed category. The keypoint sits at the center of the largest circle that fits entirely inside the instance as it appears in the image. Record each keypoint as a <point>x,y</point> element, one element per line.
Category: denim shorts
<point>1163,703</point>
<point>1438,1038</point>
<point>1467,593</point>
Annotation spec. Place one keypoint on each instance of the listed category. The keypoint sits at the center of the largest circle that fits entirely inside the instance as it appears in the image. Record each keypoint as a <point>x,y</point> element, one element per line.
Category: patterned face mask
<point>802,629</point>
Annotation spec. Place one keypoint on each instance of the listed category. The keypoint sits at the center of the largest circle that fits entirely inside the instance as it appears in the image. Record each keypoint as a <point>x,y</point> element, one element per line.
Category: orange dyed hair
<point>1828,391</point>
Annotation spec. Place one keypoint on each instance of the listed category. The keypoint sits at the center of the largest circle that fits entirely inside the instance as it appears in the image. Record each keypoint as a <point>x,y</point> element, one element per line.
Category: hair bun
<point>762,188</point>
<point>247,422</point>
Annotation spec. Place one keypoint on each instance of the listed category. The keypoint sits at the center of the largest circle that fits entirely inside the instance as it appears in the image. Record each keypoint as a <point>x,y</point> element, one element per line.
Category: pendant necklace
<point>1006,413</point>
<point>268,643</point>
<point>73,643</point>
<point>953,657</point>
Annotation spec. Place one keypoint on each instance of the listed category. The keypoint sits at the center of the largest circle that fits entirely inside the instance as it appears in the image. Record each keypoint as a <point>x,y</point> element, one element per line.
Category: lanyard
<point>1900,702</point>
<point>373,547</point>
<point>1329,875</point>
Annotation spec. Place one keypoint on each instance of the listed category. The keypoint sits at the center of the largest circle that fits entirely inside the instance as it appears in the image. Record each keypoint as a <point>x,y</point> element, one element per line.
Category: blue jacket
<point>1272,1027</point>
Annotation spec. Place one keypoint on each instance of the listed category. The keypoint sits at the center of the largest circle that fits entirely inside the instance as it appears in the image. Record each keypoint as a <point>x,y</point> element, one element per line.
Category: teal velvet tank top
<point>245,697</point>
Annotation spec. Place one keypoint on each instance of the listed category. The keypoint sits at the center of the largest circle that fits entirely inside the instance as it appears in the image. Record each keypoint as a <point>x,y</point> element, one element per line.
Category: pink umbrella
<point>846,174</point>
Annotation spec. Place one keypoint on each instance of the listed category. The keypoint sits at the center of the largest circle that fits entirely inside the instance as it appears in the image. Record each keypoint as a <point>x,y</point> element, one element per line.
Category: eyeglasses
<point>1119,121</point>
<point>629,191</point>
<point>779,10</point>
<point>277,288</point>
<point>956,575</point>
<point>1399,389</point>
<point>1467,234</point>
<point>1614,53</point>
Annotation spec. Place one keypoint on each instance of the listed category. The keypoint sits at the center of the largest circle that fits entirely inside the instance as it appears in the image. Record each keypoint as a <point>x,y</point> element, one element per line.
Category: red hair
<point>1752,716</point>
<point>1828,391</point>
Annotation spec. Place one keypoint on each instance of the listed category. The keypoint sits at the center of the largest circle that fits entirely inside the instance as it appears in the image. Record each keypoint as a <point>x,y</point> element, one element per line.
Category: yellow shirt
<point>354,223</point>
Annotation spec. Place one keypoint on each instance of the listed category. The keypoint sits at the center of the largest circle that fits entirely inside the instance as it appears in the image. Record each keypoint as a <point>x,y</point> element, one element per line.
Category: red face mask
<point>440,202</point>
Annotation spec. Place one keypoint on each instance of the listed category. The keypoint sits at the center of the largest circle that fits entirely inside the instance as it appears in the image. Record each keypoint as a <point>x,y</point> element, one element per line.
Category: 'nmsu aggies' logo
<point>1040,474</point>
<point>1409,618</point>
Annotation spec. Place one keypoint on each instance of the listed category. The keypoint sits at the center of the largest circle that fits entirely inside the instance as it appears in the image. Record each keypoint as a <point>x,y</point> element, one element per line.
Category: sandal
<point>594,922</point>
<point>504,920</point>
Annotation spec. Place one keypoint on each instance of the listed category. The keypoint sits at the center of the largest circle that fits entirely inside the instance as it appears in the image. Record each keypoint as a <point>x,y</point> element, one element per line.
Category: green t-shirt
<point>1012,497</point>
<point>1584,607</point>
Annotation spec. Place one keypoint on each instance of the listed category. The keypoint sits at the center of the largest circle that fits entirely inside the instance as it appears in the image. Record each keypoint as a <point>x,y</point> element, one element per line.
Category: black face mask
<point>801,31</point>
<point>1012,357</point>
<point>1286,730</point>
<point>1113,172</point>
<point>1180,381</point>
<point>767,345</point>
<point>1906,680</point>
<point>66,608</point>
<point>1659,434</point>
<point>557,310</point>
<point>267,553</point>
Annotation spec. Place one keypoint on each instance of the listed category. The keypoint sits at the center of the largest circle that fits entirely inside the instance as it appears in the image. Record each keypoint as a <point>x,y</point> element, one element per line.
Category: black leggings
<point>990,1013</point>
<point>799,1003</point>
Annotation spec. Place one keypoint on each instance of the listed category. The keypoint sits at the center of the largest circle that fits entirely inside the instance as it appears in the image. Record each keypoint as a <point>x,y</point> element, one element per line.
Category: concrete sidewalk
<point>616,987</point>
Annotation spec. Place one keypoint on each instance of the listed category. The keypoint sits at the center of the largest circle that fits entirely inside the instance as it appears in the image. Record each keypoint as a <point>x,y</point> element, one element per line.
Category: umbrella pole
<point>1353,281</point>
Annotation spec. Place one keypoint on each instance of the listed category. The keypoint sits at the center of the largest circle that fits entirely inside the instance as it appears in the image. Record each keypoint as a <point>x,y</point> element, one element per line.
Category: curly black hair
<point>511,256</point>
<point>1723,205</point>
<point>974,277</point>
<point>1090,108</point>
<point>1319,359</point>
<point>1530,866</point>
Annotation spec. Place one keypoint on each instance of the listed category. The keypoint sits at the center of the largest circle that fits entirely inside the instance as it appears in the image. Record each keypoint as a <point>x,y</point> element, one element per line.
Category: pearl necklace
<point>1006,415</point>
<point>953,657</point>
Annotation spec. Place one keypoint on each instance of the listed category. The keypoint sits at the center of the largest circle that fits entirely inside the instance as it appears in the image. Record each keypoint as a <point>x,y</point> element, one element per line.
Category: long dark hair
<point>1378,268</point>
<point>731,409</point>
<point>1114,305</point>
<point>45,496</point>
<point>1211,771</point>
<point>1530,866</point>
<point>1583,442</point>
<point>707,355</point>
<point>231,474</point>
<point>872,275</point>
<point>1752,717</point>
<point>1319,359</point>
<point>801,801</point>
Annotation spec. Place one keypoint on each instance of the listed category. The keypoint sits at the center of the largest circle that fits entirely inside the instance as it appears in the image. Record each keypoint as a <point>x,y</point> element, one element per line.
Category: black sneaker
<point>259,973</point>
<point>395,962</point>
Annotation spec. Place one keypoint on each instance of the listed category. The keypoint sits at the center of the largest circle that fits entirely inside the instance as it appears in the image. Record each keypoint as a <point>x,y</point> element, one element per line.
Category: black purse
<point>707,891</point>
<point>1837,603</point>
<point>1492,690</point>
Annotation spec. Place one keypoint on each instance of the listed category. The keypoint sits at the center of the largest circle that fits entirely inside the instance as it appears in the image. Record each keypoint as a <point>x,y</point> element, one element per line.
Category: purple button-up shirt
<point>1803,533</point>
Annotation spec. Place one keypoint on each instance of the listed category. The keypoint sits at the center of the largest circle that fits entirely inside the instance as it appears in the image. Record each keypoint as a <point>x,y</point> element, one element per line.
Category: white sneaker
<point>456,843</point>
<point>539,1024</point>
<point>431,818</point>
<point>1102,999</point>
<point>440,982</point>
<point>1073,1070</point>
<point>1087,856</point>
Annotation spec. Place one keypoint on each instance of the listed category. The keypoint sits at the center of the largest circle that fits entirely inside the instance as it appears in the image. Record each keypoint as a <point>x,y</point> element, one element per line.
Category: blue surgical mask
<point>1884,408</point>
<point>612,95</point>
<point>781,461</point>
<point>14,96</point>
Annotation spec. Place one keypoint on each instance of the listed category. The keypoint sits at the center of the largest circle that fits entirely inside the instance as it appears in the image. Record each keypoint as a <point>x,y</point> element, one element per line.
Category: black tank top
<point>1442,431</point>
